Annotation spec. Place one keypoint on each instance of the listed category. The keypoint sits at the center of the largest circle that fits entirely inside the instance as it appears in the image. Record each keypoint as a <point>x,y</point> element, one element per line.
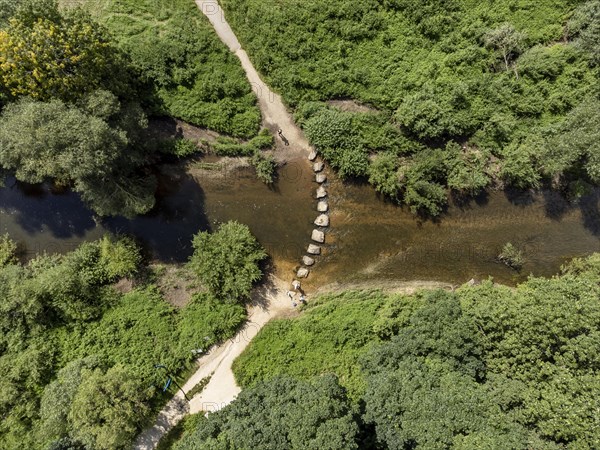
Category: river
<point>370,239</point>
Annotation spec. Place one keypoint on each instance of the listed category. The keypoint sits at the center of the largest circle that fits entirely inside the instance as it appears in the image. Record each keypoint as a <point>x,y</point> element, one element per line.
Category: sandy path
<point>275,114</point>
<point>270,300</point>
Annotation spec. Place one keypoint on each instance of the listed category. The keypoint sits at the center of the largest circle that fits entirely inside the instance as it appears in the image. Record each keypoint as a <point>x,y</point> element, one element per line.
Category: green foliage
<point>460,71</point>
<point>265,166</point>
<point>585,27</point>
<point>383,174</point>
<point>483,367</point>
<point>175,50</point>
<point>183,148</point>
<point>50,56</point>
<point>339,326</point>
<point>97,154</point>
<point>467,169</point>
<point>332,133</point>
<point>78,358</point>
<point>108,408</point>
<point>511,256</point>
<point>206,321</point>
<point>226,261</point>
<point>226,146</point>
<point>283,413</point>
<point>8,249</point>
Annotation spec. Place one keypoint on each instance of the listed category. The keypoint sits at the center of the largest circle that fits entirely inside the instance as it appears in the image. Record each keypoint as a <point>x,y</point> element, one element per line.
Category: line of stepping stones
<point>322,221</point>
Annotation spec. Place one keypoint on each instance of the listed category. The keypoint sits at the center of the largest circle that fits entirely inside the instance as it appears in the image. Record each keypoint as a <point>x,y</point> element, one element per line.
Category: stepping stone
<point>312,156</point>
<point>318,166</point>
<point>321,192</point>
<point>322,220</point>
<point>314,249</point>
<point>321,178</point>
<point>302,272</point>
<point>322,206</point>
<point>308,261</point>
<point>318,236</point>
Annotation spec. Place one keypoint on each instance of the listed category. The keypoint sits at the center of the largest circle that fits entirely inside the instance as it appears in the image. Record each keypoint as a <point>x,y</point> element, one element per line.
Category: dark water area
<point>370,239</point>
<point>41,219</point>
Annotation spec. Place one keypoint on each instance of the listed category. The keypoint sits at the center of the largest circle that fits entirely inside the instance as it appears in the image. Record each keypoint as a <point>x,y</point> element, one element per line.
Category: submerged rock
<point>318,166</point>
<point>312,156</point>
<point>322,207</point>
<point>322,220</point>
<point>321,178</point>
<point>302,272</point>
<point>321,192</point>
<point>308,261</point>
<point>314,249</point>
<point>318,236</point>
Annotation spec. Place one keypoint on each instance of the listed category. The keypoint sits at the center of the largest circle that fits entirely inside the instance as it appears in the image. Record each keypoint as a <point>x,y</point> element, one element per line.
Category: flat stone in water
<point>314,249</point>
<point>322,220</point>
<point>308,261</point>
<point>312,156</point>
<point>318,236</point>
<point>318,166</point>
<point>321,192</point>
<point>302,272</point>
<point>322,207</point>
<point>321,178</point>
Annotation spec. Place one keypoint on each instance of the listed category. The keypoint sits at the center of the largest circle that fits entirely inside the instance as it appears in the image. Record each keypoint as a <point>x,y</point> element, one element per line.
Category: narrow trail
<point>270,300</point>
<point>275,114</point>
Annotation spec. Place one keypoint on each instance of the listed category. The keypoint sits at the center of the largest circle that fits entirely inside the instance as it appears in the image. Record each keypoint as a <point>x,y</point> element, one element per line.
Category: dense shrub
<point>485,366</point>
<point>227,261</point>
<point>487,78</point>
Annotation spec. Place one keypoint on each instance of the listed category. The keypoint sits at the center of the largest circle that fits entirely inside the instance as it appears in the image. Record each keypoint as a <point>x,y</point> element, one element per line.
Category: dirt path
<point>270,300</point>
<point>274,113</point>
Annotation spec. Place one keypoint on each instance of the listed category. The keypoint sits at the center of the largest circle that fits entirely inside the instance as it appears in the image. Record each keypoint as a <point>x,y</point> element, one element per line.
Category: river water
<point>370,239</point>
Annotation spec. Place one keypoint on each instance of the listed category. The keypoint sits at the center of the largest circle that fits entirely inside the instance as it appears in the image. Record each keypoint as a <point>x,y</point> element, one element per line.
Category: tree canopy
<point>227,261</point>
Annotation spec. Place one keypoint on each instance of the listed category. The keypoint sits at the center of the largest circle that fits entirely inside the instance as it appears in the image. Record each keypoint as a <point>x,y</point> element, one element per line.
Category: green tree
<point>100,155</point>
<point>282,413</point>
<point>57,399</point>
<point>584,26</point>
<point>108,408</point>
<point>54,56</point>
<point>227,261</point>
<point>507,41</point>
<point>383,174</point>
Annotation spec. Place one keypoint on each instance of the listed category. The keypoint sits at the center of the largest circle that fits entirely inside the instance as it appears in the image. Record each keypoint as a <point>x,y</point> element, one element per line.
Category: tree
<point>108,408</point>
<point>54,56</point>
<point>42,140</point>
<point>467,169</point>
<point>226,261</point>
<point>507,40</point>
<point>282,413</point>
<point>383,174</point>
<point>584,26</point>
<point>57,400</point>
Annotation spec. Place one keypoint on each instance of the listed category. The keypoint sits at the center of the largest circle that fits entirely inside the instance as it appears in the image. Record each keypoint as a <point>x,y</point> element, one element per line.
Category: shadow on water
<point>556,205</point>
<point>519,197</point>
<point>167,230</point>
<point>590,212</point>
<point>39,208</point>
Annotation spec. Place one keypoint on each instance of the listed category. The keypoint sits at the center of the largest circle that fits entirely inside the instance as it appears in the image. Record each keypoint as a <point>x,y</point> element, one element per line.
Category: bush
<point>227,261</point>
<point>511,256</point>
<point>265,167</point>
<point>8,249</point>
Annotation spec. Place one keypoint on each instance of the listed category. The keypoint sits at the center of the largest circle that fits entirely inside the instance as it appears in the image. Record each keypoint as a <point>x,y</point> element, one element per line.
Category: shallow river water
<point>370,239</point>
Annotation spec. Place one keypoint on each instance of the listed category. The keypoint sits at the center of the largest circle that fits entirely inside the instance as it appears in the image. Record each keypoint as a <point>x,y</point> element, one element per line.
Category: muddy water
<point>370,239</point>
<point>374,239</point>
